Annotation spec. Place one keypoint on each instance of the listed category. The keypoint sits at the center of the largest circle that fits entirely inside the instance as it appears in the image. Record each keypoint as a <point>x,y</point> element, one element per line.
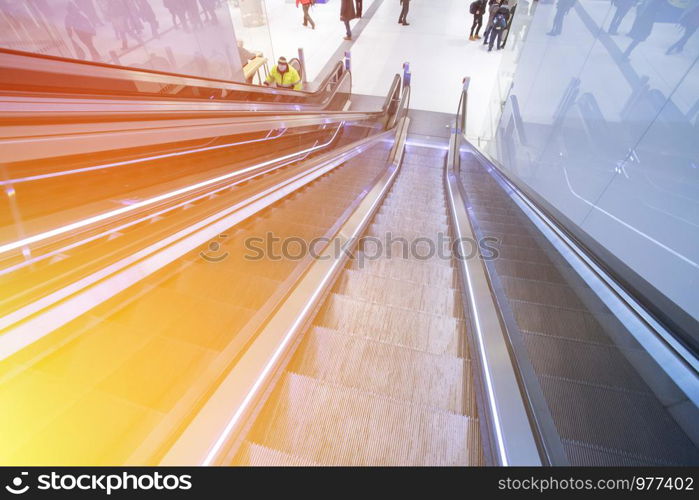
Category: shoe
<point>476,37</point>
<point>405,24</point>
<point>347,38</point>
<point>471,38</point>
<point>490,49</point>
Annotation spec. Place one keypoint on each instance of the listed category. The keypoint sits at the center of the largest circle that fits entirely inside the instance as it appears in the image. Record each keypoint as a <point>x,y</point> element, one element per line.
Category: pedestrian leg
<point>491,40</point>
<point>403,19</point>
<point>307,16</point>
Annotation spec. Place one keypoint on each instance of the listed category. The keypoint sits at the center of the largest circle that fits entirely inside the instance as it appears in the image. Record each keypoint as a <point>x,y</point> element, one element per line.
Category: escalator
<point>589,369</point>
<point>116,329</point>
<point>309,302</point>
<point>383,375</point>
<point>604,381</point>
<point>140,361</point>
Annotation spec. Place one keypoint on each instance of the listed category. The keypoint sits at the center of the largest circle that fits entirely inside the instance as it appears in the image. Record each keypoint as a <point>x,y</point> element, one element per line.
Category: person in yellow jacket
<point>284,76</point>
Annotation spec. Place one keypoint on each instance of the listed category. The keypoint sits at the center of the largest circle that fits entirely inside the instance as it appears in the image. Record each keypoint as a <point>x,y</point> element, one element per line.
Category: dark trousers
<point>495,33</point>
<point>347,28</point>
<point>477,23</point>
<point>486,34</point>
<point>306,16</point>
<point>358,7</point>
<point>404,13</point>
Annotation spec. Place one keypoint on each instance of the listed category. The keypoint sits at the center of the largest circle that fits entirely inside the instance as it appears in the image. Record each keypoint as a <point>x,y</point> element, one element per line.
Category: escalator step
<point>523,253</point>
<point>336,425</point>
<point>540,292</point>
<point>395,325</point>
<point>422,272</point>
<point>564,323</point>
<point>434,300</point>
<point>397,372</point>
<point>528,270</point>
<point>645,431</point>
<point>589,363</point>
<point>257,455</point>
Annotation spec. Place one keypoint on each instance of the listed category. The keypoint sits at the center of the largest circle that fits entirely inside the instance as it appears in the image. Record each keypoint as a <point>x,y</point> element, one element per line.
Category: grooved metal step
<point>336,425</point>
<point>388,369</point>
<point>393,292</point>
<point>257,455</point>
<point>383,376</point>
<point>400,326</point>
<point>407,270</point>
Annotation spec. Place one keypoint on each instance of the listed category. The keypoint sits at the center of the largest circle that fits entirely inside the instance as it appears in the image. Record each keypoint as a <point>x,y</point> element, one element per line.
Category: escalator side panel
<point>603,410</point>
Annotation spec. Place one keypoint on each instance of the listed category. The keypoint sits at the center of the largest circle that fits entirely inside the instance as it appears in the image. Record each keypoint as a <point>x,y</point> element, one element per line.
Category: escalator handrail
<point>29,65</point>
<point>511,433</point>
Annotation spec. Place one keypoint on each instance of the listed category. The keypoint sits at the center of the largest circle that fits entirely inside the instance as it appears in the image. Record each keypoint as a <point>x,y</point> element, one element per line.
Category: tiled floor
<point>436,45</point>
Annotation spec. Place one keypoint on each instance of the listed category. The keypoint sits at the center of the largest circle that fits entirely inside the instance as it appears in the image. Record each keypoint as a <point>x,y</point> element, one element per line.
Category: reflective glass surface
<point>601,124</point>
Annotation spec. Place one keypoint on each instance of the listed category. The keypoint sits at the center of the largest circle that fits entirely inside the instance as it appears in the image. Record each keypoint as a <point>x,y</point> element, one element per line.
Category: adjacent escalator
<point>127,375</point>
<point>607,402</point>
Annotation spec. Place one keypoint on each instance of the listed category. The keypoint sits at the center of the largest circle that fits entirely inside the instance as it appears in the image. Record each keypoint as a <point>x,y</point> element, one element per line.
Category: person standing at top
<point>284,76</point>
<point>499,26</point>
<point>477,9</point>
<point>494,5</point>
<point>505,10</point>
<point>358,7</point>
<point>346,15</point>
<point>403,18</point>
<point>306,4</point>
